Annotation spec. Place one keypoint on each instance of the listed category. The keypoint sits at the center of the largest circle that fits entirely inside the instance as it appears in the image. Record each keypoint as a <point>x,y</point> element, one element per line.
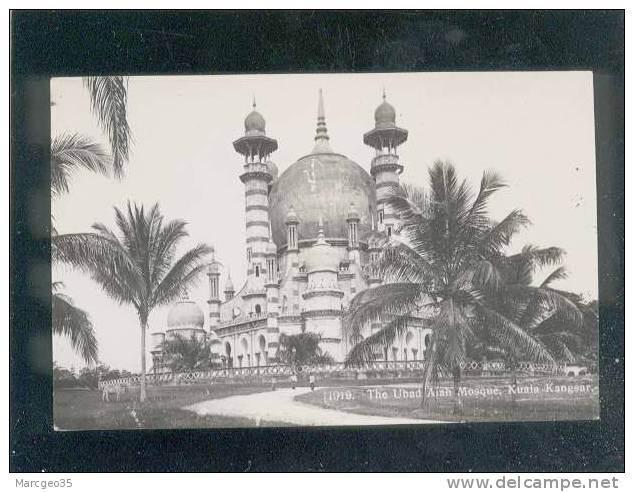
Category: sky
<point>534,128</point>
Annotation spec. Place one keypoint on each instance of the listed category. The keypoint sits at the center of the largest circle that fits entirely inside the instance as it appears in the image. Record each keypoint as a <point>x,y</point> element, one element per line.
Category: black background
<point>46,43</point>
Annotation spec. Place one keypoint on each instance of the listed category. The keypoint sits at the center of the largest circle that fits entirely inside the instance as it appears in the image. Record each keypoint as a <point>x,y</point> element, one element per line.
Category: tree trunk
<point>428,373</point>
<point>142,396</point>
<point>457,404</point>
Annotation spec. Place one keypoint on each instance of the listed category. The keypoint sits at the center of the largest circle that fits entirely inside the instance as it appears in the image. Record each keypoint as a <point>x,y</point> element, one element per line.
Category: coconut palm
<point>73,323</point>
<point>444,265</point>
<point>108,101</point>
<point>138,265</point>
<point>301,349</point>
<point>550,316</point>
<point>181,353</point>
<point>70,153</point>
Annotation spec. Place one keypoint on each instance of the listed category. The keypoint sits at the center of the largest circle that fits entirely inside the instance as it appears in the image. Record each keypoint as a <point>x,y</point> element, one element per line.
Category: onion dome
<point>255,143</point>
<point>254,123</point>
<point>291,217</point>
<point>385,115</point>
<point>271,249</point>
<point>353,215</point>
<point>322,185</point>
<point>185,314</point>
<point>385,132</point>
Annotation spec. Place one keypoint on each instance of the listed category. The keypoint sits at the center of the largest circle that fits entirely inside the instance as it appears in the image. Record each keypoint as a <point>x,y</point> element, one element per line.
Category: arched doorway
<point>409,345</point>
<point>258,309</point>
<point>263,354</point>
<point>245,357</point>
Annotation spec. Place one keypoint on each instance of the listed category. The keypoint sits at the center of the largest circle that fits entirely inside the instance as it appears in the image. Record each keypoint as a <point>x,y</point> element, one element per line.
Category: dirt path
<point>279,406</point>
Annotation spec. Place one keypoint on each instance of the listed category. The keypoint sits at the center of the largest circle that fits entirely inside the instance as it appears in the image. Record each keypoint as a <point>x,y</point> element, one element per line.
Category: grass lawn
<point>82,409</point>
<point>482,400</point>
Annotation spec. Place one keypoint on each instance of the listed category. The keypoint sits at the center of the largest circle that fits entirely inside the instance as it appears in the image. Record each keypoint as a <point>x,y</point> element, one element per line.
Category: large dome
<point>322,185</point>
<point>185,314</point>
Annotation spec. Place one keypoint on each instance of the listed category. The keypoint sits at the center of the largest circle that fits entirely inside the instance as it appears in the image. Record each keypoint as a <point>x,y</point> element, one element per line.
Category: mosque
<point>312,233</point>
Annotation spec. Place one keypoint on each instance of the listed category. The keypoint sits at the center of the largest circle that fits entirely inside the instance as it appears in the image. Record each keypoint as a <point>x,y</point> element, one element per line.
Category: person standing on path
<point>294,380</point>
<point>311,380</point>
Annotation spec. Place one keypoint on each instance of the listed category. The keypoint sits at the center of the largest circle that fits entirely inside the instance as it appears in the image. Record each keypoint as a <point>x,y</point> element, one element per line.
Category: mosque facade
<point>312,234</point>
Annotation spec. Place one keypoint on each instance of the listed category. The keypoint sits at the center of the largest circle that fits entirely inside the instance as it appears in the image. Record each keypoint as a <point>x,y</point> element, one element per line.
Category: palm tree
<point>549,315</point>
<point>108,101</point>
<point>445,265</point>
<point>139,266</point>
<point>74,323</point>
<point>69,153</point>
<point>302,349</point>
<point>188,354</point>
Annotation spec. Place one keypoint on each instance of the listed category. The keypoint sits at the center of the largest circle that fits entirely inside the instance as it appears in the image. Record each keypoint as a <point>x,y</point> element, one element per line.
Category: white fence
<point>379,368</point>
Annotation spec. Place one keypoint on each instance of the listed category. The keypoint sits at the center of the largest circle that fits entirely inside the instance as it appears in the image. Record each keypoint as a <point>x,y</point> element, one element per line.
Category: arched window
<point>258,309</point>
<point>257,270</point>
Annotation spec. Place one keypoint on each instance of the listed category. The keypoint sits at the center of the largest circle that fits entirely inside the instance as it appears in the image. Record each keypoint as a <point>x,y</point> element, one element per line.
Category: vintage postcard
<point>323,250</point>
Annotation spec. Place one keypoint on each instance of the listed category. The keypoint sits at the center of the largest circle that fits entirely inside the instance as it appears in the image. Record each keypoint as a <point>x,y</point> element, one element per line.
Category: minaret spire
<point>321,135</point>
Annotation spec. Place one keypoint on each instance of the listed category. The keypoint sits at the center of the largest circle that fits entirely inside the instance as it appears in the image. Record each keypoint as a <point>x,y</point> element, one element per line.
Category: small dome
<point>254,123</point>
<point>291,217</point>
<point>185,314</point>
<point>271,249</point>
<point>385,115</point>
<point>353,214</point>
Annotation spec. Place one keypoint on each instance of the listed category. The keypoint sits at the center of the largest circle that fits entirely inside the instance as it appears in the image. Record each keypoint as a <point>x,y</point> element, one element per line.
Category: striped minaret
<point>256,149</point>
<point>385,167</point>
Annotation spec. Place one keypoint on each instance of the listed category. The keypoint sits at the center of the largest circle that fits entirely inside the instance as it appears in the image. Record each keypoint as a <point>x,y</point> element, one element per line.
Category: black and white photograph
<point>316,239</point>
<point>323,250</point>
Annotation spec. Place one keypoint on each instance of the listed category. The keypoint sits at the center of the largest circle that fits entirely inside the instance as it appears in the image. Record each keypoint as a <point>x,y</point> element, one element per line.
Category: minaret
<point>229,289</point>
<point>272,297</point>
<point>213,273</point>
<point>322,298</point>
<point>256,149</point>
<point>385,167</point>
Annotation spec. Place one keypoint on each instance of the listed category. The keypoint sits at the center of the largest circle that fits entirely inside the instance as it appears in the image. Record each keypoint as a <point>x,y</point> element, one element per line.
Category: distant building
<point>312,234</point>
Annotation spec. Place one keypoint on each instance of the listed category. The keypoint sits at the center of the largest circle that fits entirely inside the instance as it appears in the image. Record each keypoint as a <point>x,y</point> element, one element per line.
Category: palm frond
<point>558,274</point>
<point>366,350</point>
<point>72,152</point>
<point>382,303</point>
<point>499,235</point>
<point>400,263</point>
<point>183,274</point>
<point>74,324</point>
<point>477,213</point>
<point>545,303</point>
<point>108,99</point>
<point>508,335</point>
